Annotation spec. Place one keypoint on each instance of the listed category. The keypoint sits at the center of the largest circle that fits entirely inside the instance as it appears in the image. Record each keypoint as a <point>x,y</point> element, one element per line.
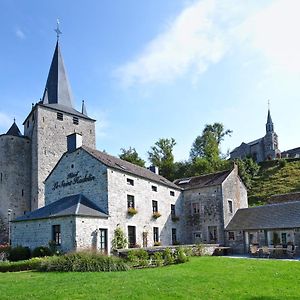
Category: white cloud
<point>192,41</point>
<point>274,33</point>
<point>202,34</point>
<point>20,34</point>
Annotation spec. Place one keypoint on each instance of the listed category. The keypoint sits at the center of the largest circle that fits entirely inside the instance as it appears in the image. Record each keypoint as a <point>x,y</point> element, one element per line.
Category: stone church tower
<point>271,140</point>
<point>26,160</point>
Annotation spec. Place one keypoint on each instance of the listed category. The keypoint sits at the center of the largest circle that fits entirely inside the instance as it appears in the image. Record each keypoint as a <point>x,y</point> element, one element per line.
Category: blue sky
<point>152,69</point>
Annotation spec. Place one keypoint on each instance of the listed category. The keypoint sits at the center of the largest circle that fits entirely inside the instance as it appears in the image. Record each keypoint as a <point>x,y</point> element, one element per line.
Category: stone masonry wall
<point>37,233</point>
<point>209,200</point>
<point>78,164</point>
<point>14,179</point>
<point>233,190</point>
<point>118,189</point>
<point>49,142</point>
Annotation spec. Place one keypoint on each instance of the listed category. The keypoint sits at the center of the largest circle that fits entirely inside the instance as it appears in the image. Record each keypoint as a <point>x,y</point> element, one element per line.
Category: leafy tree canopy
<point>207,145</point>
<point>131,156</point>
<point>161,155</point>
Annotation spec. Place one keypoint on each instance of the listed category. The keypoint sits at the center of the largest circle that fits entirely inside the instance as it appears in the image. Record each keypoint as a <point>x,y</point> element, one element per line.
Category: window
<point>131,236</point>
<point>231,236</point>
<point>172,193</point>
<point>195,208</point>
<point>60,116</point>
<point>230,206</point>
<point>173,212</point>
<point>27,123</point>
<point>154,206</point>
<point>130,181</point>
<point>22,193</point>
<point>130,201</point>
<point>212,231</point>
<point>155,235</point>
<point>174,237</point>
<point>56,234</point>
<point>103,240</point>
<point>75,120</point>
<point>154,188</point>
<point>32,118</point>
<point>283,238</point>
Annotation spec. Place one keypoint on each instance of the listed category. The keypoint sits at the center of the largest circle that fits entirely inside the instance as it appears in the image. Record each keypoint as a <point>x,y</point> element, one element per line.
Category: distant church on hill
<point>265,148</point>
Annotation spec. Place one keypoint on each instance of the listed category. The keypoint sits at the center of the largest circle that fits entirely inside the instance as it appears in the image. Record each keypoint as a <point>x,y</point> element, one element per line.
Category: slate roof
<point>75,205</point>
<point>284,198</point>
<point>202,181</point>
<point>127,167</point>
<point>271,216</point>
<point>14,130</point>
<point>57,88</point>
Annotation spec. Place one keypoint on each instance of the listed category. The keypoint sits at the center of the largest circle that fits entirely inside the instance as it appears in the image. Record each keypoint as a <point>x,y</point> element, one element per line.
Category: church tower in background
<point>271,140</point>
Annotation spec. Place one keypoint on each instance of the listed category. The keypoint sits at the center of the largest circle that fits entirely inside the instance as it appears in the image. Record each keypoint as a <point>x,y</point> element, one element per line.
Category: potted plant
<point>175,218</point>
<point>156,215</point>
<point>131,211</point>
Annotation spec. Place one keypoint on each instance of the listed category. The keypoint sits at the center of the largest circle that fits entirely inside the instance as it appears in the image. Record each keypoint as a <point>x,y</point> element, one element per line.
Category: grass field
<point>275,180</point>
<point>201,278</point>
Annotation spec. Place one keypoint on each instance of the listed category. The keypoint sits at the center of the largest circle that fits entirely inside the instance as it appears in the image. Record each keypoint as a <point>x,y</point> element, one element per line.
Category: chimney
<point>154,169</point>
<point>74,141</point>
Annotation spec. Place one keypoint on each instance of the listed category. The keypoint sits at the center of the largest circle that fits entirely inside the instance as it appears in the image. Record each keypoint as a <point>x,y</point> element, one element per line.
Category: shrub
<point>198,250</point>
<point>157,259</point>
<point>24,265</point>
<point>138,257</point>
<point>19,253</point>
<point>119,241</point>
<point>4,252</point>
<point>168,257</point>
<point>83,262</point>
<point>181,256</point>
<point>41,252</point>
<point>282,163</point>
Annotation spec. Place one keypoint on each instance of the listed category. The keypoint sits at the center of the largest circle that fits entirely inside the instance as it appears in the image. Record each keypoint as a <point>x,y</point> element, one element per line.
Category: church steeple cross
<point>57,30</point>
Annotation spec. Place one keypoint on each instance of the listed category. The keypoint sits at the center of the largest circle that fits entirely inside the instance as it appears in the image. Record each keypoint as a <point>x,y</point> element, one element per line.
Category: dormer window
<point>154,188</point>
<point>130,181</point>
<point>60,116</point>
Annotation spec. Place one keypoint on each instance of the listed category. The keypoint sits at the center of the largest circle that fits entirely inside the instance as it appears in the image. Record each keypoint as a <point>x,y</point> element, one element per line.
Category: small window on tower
<point>60,116</point>
<point>27,123</point>
<point>75,120</point>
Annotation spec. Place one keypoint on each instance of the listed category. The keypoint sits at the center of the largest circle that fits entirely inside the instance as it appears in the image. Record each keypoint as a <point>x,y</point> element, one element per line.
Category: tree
<point>161,156</point>
<point>248,168</point>
<point>131,156</point>
<point>207,145</point>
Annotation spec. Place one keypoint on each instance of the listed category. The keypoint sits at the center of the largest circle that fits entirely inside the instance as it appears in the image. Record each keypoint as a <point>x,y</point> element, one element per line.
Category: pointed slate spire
<point>83,109</point>
<point>269,125</point>
<point>14,130</point>
<point>57,90</point>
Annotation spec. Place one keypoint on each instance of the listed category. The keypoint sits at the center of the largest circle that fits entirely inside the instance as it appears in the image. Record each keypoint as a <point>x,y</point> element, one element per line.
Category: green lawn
<point>201,278</point>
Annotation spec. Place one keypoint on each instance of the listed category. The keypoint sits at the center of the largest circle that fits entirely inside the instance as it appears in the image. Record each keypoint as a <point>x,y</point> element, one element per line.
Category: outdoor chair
<point>291,250</point>
<point>266,252</point>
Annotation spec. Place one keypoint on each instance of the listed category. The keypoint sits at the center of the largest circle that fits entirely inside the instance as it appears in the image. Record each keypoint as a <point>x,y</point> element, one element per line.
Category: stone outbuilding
<point>267,225</point>
<point>209,203</point>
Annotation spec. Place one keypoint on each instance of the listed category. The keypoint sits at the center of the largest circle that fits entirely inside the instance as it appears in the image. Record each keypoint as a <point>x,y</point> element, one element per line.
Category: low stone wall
<point>206,249</point>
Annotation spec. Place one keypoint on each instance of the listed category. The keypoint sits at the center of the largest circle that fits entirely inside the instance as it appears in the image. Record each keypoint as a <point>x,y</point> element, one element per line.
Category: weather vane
<point>268,104</point>
<point>57,30</point>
